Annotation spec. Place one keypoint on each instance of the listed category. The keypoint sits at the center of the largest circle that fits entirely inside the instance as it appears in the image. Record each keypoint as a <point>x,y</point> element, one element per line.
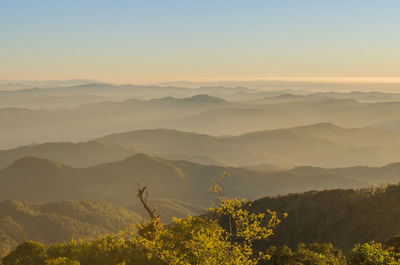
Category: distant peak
<point>322,125</point>
<point>201,98</point>
<point>97,84</point>
<point>343,101</point>
<point>289,95</point>
<point>205,98</point>
<point>139,157</point>
<point>392,166</point>
<point>35,162</point>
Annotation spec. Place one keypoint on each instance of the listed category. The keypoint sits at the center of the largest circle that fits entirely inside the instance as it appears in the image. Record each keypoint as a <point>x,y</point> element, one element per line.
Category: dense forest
<point>59,221</point>
<point>325,227</point>
<point>342,217</point>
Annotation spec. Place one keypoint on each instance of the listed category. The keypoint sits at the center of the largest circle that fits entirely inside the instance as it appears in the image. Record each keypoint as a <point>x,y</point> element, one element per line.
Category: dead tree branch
<point>143,194</point>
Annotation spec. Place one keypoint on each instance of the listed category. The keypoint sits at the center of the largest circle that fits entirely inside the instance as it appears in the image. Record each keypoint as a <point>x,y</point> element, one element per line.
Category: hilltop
<point>73,154</point>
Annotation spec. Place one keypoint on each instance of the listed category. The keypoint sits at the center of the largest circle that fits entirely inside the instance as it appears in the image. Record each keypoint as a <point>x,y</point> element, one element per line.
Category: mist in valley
<point>199,132</point>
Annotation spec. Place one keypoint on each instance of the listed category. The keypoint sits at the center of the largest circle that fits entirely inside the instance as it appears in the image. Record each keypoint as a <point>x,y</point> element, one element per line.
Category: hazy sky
<point>151,41</point>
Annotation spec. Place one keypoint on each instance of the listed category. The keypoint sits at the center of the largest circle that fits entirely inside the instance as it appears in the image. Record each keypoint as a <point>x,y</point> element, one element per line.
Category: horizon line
<point>366,80</point>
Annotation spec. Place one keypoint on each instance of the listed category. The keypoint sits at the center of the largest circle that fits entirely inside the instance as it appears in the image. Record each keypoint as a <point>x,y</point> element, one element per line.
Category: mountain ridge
<point>320,145</point>
<point>116,182</point>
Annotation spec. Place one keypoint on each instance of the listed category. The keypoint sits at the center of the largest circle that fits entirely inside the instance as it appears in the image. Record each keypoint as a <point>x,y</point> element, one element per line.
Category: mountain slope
<point>342,217</point>
<point>181,145</point>
<point>366,136</point>
<point>59,221</point>
<point>321,144</point>
<point>36,179</point>
<point>72,154</point>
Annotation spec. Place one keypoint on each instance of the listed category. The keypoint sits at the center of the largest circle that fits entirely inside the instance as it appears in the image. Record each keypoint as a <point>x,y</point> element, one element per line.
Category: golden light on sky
<point>143,42</point>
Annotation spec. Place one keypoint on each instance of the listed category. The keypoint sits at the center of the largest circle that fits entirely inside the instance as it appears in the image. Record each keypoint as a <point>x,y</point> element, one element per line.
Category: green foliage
<point>310,254</point>
<point>27,253</point>
<point>201,240</point>
<point>56,222</point>
<point>243,225</point>
<point>191,240</point>
<point>105,251</point>
<point>233,232</point>
<point>62,261</point>
<point>342,217</point>
<point>372,254</point>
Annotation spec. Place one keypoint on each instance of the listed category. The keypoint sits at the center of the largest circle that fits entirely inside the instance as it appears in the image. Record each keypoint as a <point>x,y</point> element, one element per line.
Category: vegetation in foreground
<point>341,217</point>
<point>229,234</point>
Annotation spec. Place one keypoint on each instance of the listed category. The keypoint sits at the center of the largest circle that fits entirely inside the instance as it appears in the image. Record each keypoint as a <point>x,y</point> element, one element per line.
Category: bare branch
<point>152,212</point>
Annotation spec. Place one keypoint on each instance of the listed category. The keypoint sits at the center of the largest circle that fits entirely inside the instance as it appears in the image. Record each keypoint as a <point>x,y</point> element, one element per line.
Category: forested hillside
<point>341,217</point>
<point>56,222</point>
<point>332,227</point>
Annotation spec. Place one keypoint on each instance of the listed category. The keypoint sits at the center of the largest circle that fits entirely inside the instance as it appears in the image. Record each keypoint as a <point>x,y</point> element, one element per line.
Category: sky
<point>169,40</point>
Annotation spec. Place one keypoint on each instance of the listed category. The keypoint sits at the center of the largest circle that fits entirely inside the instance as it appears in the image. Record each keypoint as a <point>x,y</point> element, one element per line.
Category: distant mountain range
<point>35,179</point>
<point>20,125</point>
<point>242,118</point>
<point>73,154</point>
<point>71,151</point>
<point>55,94</point>
<point>74,95</point>
<point>295,85</point>
<point>201,113</point>
<point>321,144</point>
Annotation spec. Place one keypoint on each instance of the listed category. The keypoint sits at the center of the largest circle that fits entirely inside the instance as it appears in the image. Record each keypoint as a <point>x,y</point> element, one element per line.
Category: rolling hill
<point>73,154</point>
<point>321,144</point>
<point>56,222</point>
<point>35,179</point>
